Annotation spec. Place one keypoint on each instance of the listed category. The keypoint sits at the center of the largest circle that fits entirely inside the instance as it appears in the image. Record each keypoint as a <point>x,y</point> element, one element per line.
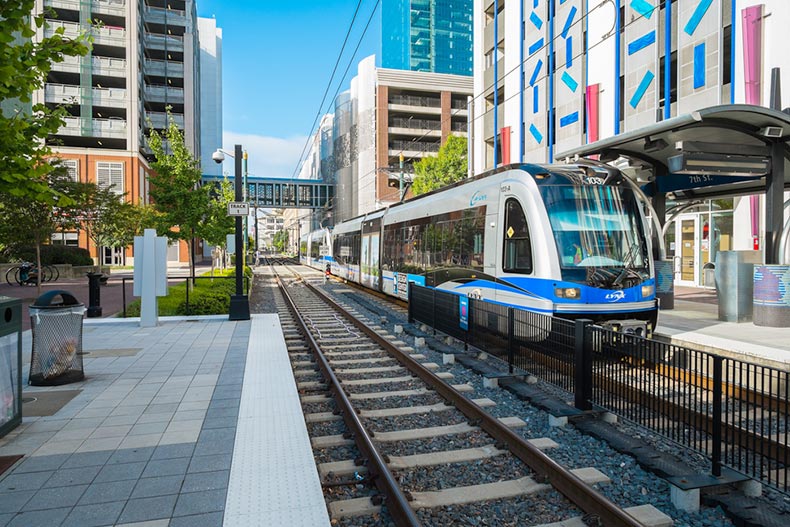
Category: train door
<point>370,269</point>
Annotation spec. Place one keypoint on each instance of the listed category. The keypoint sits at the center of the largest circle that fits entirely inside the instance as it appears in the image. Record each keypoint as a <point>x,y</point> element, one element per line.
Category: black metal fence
<point>733,412</point>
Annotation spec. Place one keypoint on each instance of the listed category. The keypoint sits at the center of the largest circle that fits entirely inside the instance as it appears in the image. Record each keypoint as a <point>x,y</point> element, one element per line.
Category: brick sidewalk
<point>111,294</point>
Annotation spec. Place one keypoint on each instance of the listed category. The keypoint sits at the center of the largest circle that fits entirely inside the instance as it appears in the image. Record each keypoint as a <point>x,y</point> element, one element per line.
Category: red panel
<point>504,140</point>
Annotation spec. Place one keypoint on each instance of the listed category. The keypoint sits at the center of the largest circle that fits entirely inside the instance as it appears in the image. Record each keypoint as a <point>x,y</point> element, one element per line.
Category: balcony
<point>110,36</point>
<point>420,127</point>
<point>107,66</point>
<point>164,42</point>
<point>101,128</point>
<point>488,32</point>
<point>110,7</point>
<point>488,77</point>
<point>70,29</point>
<point>71,94</point>
<point>159,119</point>
<point>158,93</point>
<point>109,97</point>
<point>160,15</point>
<point>164,68</point>
<point>413,148</point>
<point>488,121</point>
<point>106,7</point>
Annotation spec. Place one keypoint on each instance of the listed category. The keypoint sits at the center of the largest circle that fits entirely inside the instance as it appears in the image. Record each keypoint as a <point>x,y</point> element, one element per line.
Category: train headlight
<point>571,293</point>
<point>647,291</point>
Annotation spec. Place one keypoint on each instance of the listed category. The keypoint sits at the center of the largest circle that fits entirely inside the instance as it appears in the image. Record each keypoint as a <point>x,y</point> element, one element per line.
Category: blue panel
<point>569,81</point>
<point>641,89</point>
<point>569,119</point>
<point>699,65</point>
<point>535,99</point>
<point>535,133</point>
<point>642,42</point>
<point>535,3</point>
<point>535,72</point>
<point>536,46</point>
<point>696,16</point>
<point>569,52</point>
<point>568,22</point>
<point>643,7</point>
<point>535,19</point>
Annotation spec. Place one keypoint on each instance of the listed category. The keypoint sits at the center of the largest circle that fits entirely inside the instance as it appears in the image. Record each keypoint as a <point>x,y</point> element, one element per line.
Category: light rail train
<point>564,240</point>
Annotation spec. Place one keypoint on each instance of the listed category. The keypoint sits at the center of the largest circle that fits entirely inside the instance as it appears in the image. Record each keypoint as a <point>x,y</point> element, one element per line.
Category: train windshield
<point>599,234</point>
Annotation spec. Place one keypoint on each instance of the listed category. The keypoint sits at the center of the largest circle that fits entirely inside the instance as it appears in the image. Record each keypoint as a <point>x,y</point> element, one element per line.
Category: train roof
<point>553,174</point>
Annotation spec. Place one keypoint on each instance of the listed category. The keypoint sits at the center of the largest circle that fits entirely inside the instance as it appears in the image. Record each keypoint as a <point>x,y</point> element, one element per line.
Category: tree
<point>176,189</point>
<point>280,240</point>
<point>25,221</point>
<point>448,167</point>
<point>24,66</point>
<point>218,224</point>
<point>108,219</point>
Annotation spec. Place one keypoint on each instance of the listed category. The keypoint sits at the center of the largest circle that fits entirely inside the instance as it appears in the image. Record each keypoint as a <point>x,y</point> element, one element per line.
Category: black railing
<point>732,411</point>
<point>185,279</point>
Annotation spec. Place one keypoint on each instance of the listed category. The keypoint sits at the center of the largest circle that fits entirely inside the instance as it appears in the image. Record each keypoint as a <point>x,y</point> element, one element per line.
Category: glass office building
<point>427,35</point>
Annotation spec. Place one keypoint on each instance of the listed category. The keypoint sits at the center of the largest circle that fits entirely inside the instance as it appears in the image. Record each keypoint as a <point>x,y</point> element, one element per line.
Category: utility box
<point>10,364</point>
<point>735,284</point>
<point>56,357</point>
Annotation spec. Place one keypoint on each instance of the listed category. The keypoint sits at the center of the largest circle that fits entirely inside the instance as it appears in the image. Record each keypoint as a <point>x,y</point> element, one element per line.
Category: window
<point>72,166</point>
<point>518,250</point>
<point>110,175</point>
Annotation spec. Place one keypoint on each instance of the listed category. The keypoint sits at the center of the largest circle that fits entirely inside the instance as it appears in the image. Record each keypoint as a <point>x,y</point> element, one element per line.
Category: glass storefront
<point>695,236</point>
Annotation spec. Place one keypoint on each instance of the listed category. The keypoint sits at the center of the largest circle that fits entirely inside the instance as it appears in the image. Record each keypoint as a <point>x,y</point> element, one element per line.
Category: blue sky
<point>277,58</point>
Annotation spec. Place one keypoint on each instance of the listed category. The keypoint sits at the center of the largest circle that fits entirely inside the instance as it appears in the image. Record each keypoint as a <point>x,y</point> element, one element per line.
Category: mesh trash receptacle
<point>56,356</point>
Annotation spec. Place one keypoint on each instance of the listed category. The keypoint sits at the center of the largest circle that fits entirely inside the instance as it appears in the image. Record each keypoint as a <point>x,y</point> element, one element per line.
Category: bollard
<point>94,295</point>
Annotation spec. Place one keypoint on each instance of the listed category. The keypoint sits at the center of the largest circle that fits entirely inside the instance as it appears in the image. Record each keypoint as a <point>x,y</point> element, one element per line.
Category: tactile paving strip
<point>273,477</point>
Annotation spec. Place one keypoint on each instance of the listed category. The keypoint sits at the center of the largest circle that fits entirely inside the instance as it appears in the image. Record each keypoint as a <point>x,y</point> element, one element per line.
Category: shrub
<point>53,254</point>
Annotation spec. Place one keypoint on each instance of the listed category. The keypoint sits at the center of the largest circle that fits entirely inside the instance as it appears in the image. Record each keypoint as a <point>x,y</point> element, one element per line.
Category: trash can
<point>709,274</point>
<point>56,356</point>
<point>10,364</point>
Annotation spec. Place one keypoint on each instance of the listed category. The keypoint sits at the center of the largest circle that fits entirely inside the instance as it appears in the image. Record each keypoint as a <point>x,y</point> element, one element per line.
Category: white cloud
<point>267,156</point>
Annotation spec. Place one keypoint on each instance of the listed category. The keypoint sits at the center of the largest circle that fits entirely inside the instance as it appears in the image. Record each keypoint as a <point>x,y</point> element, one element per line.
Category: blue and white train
<point>565,240</point>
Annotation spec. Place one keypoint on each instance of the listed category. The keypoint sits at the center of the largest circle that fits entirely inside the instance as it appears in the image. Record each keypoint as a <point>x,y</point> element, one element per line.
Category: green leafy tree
<point>108,219</point>
<point>431,173</point>
<point>25,221</point>
<point>24,65</point>
<point>218,224</point>
<point>280,240</point>
<point>176,189</point>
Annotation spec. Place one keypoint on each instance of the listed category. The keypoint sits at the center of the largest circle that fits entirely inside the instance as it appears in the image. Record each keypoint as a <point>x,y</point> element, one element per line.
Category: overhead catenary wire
<point>329,84</point>
<point>340,83</point>
<point>516,69</point>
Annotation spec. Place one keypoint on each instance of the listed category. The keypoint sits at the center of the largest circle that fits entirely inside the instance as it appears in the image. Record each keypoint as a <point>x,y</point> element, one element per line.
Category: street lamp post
<point>239,303</point>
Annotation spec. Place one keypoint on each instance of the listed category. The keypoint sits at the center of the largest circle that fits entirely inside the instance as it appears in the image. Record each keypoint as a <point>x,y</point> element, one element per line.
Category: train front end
<point>604,267</point>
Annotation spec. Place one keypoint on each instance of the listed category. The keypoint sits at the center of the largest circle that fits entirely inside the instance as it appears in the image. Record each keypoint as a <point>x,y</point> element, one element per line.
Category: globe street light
<point>239,303</point>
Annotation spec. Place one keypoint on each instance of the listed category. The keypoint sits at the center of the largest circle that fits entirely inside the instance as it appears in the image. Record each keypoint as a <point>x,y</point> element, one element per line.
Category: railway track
<point>676,402</point>
<point>399,442</point>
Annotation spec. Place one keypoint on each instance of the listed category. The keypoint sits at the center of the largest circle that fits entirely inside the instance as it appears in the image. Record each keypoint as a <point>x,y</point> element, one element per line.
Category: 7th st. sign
<point>238,208</point>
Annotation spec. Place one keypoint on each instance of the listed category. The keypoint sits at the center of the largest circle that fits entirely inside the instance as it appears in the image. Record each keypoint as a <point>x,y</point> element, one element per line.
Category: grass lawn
<point>209,296</point>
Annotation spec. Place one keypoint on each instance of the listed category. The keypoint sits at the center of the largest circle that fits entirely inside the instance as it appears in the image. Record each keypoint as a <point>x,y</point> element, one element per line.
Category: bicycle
<point>26,273</point>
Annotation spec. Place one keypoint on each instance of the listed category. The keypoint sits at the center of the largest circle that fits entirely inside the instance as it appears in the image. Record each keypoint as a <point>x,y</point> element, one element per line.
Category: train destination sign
<point>238,208</point>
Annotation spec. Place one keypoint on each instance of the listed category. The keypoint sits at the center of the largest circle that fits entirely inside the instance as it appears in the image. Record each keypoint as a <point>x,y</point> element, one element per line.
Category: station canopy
<point>714,152</point>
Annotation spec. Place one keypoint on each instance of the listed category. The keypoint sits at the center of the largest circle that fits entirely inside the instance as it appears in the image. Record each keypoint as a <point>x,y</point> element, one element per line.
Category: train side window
<point>517,256</point>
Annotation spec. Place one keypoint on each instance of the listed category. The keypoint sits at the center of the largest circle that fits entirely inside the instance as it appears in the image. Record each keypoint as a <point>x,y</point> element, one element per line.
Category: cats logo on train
<point>615,296</point>
<point>477,198</point>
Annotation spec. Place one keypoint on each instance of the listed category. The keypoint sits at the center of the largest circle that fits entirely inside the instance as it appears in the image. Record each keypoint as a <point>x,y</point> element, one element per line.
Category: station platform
<point>694,323</point>
<point>197,422</point>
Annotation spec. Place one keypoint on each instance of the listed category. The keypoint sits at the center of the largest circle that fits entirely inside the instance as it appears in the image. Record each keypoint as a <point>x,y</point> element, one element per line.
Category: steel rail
<point>584,496</point>
<point>397,503</point>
